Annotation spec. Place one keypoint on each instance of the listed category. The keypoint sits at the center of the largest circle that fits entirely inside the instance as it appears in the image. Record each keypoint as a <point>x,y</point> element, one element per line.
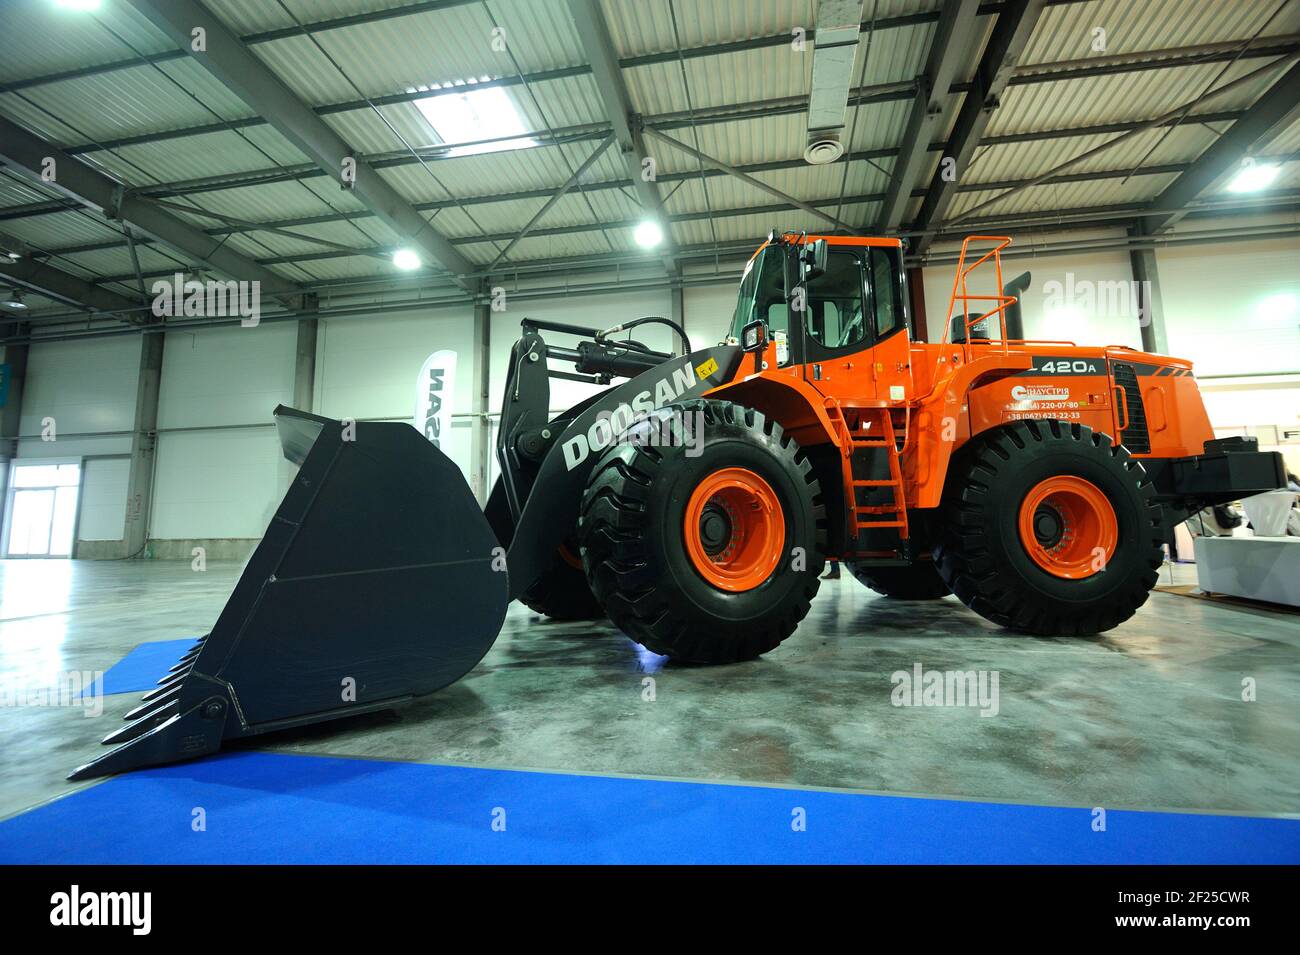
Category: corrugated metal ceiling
<point>453,42</point>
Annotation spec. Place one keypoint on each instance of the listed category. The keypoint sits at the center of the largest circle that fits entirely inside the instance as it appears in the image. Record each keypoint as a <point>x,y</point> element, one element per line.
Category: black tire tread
<point>966,564</point>
<point>611,527</point>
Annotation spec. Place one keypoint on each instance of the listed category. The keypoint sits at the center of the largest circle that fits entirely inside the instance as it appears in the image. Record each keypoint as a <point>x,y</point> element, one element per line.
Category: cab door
<point>856,348</point>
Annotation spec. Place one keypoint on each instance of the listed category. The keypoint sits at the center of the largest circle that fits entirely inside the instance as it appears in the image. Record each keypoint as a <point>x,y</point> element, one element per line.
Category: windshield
<point>762,292</point>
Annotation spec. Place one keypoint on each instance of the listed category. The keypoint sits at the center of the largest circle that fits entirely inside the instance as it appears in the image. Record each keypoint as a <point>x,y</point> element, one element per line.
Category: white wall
<point>103,499</point>
<point>219,472</point>
<point>88,388</point>
<point>1233,308</point>
<point>366,367</point>
<point>709,309</point>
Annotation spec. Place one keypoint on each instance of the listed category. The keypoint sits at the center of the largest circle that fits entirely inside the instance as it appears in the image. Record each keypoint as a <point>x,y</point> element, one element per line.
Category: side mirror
<point>753,337</point>
<point>813,256</point>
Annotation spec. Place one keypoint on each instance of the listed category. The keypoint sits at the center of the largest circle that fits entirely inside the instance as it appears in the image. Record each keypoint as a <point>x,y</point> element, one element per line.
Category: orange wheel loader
<point>694,500</point>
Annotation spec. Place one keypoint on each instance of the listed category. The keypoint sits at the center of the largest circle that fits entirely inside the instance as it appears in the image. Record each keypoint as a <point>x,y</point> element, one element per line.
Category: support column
<point>480,401</point>
<point>678,310</point>
<point>304,364</point>
<point>11,413</point>
<point>1151,310</point>
<point>16,359</point>
<point>144,440</point>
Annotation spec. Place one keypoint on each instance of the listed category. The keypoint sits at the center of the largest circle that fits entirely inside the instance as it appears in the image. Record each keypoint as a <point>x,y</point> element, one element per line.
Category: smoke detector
<point>823,147</point>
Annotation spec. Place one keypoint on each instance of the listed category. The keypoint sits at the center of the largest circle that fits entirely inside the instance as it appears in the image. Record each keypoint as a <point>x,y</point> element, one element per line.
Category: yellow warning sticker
<point>708,368</point>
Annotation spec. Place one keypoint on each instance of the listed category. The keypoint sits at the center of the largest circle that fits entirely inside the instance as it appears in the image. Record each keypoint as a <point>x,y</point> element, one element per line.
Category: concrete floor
<point>1147,716</point>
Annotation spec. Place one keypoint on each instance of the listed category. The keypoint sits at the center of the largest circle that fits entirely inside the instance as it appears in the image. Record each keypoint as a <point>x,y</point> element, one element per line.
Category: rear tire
<point>918,581</point>
<point>1050,529</point>
<point>562,593</point>
<point>650,576</point>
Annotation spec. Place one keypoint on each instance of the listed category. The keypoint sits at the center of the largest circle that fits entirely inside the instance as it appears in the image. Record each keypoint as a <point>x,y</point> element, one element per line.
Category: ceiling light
<point>83,5</point>
<point>406,259</point>
<point>648,234</point>
<point>471,115</point>
<point>1253,176</point>
<point>16,302</point>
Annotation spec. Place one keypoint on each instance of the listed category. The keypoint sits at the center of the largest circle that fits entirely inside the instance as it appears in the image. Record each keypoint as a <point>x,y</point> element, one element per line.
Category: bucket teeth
<point>162,689</point>
<point>143,725</point>
<point>182,735</point>
<point>153,702</point>
<point>172,678</point>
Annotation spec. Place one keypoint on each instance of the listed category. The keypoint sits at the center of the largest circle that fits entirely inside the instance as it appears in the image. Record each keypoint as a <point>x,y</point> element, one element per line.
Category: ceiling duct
<point>835,48</point>
<point>823,147</point>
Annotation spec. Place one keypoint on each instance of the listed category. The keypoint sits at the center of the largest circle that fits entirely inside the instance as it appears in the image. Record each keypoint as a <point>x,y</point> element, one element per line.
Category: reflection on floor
<point>1150,716</point>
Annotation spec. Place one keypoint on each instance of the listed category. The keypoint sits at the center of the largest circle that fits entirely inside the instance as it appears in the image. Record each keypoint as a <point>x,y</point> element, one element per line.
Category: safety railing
<point>961,293</point>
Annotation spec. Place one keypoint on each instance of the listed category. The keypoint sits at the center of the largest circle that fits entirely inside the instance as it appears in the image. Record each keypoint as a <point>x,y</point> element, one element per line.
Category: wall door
<point>41,509</point>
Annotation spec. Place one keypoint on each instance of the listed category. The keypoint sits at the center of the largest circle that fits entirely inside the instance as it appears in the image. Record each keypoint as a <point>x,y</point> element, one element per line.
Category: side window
<point>769,303</point>
<point>886,290</point>
<point>834,304</point>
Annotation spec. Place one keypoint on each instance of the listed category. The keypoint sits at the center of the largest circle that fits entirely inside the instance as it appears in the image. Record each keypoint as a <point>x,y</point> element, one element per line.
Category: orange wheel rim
<point>569,557</point>
<point>734,529</point>
<point>1068,527</point>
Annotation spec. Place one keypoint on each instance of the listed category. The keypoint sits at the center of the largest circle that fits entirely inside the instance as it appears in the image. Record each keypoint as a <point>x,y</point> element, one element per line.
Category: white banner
<point>435,389</point>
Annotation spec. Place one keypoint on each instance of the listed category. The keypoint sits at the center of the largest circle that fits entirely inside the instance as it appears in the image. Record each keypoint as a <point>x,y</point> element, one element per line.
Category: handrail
<point>960,293</point>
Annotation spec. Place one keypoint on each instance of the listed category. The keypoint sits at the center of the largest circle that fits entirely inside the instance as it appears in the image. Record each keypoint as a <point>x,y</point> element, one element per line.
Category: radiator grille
<point>1135,437</point>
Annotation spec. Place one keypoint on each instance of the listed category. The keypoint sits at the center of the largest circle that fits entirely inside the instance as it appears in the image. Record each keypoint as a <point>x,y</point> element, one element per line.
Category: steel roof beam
<point>1015,24</point>
<point>1272,114</point>
<point>955,40</point>
<point>230,63</point>
<point>593,33</point>
<point>29,153</point>
<point>38,276</point>
<point>744,177</point>
<point>885,92</point>
<point>788,203</point>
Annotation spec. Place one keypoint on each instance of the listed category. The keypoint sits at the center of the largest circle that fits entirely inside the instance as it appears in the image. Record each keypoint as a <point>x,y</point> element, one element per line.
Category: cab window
<point>886,290</point>
<point>834,306</point>
<point>762,293</point>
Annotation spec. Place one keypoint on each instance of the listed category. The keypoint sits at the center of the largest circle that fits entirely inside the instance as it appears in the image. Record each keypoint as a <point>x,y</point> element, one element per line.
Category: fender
<point>550,514</point>
<point>925,461</point>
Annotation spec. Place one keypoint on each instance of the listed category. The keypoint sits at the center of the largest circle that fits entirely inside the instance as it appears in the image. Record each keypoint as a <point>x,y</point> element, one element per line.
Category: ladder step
<point>876,483</point>
<point>882,524</point>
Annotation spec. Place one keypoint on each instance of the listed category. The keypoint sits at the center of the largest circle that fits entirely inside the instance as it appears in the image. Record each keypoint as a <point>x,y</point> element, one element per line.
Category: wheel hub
<point>734,529</point>
<point>715,528</point>
<point>1068,527</point>
<point>1049,526</point>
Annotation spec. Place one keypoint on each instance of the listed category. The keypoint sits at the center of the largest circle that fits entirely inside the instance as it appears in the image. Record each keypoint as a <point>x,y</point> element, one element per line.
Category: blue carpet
<point>142,668</point>
<point>278,808</point>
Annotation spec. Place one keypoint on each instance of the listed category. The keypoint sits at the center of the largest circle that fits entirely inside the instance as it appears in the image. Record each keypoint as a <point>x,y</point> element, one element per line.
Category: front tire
<point>1050,529</point>
<point>708,557</point>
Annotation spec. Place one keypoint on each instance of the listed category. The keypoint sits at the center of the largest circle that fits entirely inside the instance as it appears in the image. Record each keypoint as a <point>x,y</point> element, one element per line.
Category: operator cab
<point>846,295</point>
